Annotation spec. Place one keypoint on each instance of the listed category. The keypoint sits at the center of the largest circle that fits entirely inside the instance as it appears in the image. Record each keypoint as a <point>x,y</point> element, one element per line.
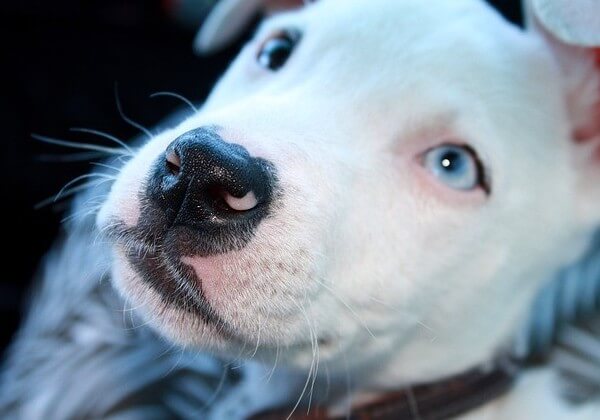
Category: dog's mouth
<point>180,284</point>
<point>161,268</point>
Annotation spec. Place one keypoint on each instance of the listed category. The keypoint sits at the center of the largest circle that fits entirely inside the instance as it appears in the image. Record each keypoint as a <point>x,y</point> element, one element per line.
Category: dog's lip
<point>152,267</point>
<point>142,248</point>
<point>146,247</point>
<point>121,234</point>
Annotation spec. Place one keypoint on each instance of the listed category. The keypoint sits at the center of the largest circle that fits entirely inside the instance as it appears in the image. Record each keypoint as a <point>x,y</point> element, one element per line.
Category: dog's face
<point>381,178</point>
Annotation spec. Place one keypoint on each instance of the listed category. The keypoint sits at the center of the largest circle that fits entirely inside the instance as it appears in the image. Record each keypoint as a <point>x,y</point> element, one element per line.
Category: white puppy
<point>428,165</point>
<point>371,197</point>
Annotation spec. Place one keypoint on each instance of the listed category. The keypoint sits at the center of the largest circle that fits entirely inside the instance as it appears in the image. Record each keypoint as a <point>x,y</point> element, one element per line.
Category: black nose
<point>212,186</point>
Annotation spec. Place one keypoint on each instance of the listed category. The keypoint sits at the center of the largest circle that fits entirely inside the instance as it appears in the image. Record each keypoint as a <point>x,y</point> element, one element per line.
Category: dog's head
<point>390,179</point>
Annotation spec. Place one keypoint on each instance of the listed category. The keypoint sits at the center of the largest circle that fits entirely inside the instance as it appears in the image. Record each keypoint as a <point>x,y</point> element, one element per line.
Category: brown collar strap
<point>439,400</point>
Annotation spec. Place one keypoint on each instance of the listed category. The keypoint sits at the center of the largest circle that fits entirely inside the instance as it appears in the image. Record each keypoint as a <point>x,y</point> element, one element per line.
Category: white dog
<point>368,202</point>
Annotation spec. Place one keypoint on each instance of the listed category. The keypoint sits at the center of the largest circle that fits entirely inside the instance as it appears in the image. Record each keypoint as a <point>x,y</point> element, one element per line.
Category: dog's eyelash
<point>482,170</point>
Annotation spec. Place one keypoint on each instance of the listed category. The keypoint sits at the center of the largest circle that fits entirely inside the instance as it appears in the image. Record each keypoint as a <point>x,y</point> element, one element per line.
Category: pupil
<point>451,161</point>
<point>276,53</point>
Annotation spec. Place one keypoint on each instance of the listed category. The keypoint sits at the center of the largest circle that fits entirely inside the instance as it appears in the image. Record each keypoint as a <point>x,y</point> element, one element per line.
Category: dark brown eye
<point>277,49</point>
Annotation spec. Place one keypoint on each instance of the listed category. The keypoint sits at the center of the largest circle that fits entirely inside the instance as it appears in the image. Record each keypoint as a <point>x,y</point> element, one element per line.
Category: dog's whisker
<point>122,158</point>
<point>272,371</point>
<point>257,339</point>
<point>314,366</point>
<point>127,119</point>
<point>105,136</point>
<point>75,145</point>
<point>79,178</point>
<point>177,96</point>
<point>239,357</point>
<point>128,308</point>
<point>182,350</point>
<point>209,402</point>
<point>104,165</point>
<point>123,312</point>
<point>84,212</point>
<point>89,206</point>
<point>72,157</point>
<point>149,321</point>
<point>405,314</point>
<point>317,356</point>
<point>65,193</point>
<point>310,371</point>
<point>343,302</point>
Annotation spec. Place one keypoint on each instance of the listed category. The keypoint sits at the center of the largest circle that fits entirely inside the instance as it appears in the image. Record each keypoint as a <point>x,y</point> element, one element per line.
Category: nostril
<point>247,202</point>
<point>227,202</point>
<point>173,162</point>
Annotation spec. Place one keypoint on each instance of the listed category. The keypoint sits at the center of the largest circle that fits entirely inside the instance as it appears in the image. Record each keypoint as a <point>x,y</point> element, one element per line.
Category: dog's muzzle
<point>212,193</point>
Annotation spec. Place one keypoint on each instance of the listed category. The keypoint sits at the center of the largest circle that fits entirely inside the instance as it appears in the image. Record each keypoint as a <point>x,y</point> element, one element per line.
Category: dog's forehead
<point>393,48</point>
<point>401,58</point>
<point>400,11</point>
<point>390,69</point>
<point>405,21</point>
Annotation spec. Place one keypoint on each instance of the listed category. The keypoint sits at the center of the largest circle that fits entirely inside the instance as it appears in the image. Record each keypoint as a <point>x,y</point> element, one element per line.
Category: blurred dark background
<point>60,63</point>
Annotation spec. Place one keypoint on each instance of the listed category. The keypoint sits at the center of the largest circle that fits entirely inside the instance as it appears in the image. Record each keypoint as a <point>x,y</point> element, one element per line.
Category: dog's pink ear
<point>571,28</point>
<point>229,18</point>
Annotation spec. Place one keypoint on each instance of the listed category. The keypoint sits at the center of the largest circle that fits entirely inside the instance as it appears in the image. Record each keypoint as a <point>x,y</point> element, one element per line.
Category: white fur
<point>367,253</point>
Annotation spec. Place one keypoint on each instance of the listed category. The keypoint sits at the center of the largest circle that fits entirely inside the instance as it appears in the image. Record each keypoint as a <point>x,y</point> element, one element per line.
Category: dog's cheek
<point>403,255</point>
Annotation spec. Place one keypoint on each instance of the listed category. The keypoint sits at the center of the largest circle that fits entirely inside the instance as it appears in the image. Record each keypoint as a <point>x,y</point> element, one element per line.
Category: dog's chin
<point>188,328</point>
<point>181,311</point>
<point>172,316</point>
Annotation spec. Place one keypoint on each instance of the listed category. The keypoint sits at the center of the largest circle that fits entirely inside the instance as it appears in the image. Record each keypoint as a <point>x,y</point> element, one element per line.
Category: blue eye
<point>455,166</point>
